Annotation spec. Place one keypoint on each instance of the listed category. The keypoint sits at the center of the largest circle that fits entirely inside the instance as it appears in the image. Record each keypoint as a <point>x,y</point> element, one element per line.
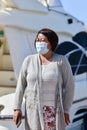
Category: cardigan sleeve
<point>21,85</point>
<point>68,85</point>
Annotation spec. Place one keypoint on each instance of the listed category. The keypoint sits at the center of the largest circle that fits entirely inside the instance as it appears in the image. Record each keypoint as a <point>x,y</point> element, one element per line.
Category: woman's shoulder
<point>60,57</point>
<point>28,58</point>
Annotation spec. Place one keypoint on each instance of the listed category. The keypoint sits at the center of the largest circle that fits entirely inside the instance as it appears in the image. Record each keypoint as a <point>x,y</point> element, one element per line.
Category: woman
<point>47,81</point>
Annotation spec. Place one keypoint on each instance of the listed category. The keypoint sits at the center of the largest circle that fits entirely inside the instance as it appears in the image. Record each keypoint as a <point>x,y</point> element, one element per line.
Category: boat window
<point>77,119</point>
<point>1,33</point>
<point>54,3</point>
<point>1,107</point>
<point>77,51</point>
<point>81,111</point>
<point>1,37</point>
<point>51,3</point>
<point>80,114</point>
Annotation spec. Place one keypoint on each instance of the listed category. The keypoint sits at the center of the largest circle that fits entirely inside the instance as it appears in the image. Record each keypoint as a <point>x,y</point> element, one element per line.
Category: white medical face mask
<point>41,47</point>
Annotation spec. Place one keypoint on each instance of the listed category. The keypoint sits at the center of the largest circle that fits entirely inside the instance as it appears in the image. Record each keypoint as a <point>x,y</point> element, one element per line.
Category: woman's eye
<point>43,40</point>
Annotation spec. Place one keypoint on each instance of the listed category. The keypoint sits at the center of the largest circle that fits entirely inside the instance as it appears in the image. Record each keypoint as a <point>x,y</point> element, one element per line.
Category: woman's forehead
<point>41,36</point>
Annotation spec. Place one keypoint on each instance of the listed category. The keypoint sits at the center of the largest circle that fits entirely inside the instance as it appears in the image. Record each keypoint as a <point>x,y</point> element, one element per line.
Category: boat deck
<point>79,125</point>
<point>6,90</point>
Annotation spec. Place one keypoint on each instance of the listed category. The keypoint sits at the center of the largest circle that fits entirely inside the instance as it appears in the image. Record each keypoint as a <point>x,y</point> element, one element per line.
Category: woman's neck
<point>46,58</point>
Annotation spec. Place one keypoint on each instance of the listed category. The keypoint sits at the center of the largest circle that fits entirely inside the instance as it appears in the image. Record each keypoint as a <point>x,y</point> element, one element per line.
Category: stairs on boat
<point>7,76</point>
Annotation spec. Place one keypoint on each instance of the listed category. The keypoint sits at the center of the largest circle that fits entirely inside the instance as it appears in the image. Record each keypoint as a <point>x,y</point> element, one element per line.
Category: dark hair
<point>51,36</point>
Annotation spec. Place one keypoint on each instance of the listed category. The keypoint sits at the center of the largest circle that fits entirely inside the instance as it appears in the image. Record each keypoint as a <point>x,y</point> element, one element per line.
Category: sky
<point>77,8</point>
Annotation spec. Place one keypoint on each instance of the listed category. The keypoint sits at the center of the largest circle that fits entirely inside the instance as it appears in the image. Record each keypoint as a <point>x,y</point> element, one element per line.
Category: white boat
<point>19,23</point>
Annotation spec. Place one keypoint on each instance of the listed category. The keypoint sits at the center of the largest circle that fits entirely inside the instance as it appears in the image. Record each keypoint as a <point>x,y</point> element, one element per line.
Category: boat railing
<point>8,117</point>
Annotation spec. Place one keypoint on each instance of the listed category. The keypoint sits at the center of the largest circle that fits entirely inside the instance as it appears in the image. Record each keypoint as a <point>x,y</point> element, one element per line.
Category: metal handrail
<point>79,100</point>
<point>8,117</point>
